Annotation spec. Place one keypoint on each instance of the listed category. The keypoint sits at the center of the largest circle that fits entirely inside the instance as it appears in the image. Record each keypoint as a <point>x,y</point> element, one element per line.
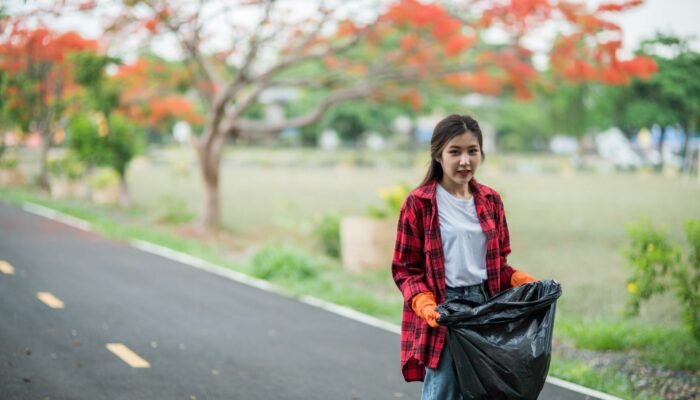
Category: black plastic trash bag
<point>501,349</point>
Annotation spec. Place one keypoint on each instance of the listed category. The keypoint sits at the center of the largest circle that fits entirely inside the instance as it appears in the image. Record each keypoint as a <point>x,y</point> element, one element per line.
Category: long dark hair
<point>445,130</point>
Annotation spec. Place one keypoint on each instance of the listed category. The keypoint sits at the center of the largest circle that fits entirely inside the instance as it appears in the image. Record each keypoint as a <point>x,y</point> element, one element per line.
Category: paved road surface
<point>203,336</point>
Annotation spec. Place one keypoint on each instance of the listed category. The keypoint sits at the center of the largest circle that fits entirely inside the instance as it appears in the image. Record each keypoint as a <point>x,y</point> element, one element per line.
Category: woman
<point>452,241</point>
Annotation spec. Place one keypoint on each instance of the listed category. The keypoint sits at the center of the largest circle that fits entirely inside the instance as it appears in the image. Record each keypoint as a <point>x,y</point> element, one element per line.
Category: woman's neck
<point>459,191</point>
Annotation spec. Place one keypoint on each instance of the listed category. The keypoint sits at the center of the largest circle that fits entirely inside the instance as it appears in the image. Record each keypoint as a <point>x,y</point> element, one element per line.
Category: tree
<point>267,40</point>
<point>39,86</point>
<point>106,137</point>
<point>4,118</point>
<point>152,93</point>
<point>139,95</point>
<point>521,126</point>
<point>670,97</point>
<point>110,141</point>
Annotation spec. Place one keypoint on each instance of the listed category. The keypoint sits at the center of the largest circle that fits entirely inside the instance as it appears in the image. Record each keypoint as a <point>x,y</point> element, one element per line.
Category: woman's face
<point>459,159</point>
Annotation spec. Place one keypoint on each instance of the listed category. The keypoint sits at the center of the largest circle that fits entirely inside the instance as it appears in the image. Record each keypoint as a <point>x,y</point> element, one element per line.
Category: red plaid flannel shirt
<point>419,266</point>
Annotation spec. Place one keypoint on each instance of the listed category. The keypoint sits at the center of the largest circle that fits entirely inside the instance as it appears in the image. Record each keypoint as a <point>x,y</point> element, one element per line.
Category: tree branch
<point>224,97</point>
<point>299,57</point>
<point>257,127</point>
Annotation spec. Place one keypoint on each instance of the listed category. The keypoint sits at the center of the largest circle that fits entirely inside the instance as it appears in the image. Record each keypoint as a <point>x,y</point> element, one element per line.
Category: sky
<point>679,17</point>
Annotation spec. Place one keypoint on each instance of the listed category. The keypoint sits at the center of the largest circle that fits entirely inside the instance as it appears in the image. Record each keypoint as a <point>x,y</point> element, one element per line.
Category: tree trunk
<point>43,162</point>
<point>689,127</point>
<point>46,132</point>
<point>662,161</point>
<point>212,212</point>
<point>124,197</point>
<point>414,146</point>
<point>3,146</point>
<point>209,162</point>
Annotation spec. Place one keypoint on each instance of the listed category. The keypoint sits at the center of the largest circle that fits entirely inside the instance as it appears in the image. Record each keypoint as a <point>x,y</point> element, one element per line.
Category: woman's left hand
<point>520,278</point>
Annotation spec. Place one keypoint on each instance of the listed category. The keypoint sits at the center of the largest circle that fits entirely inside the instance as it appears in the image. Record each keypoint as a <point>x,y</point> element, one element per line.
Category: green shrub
<point>104,178</point>
<point>9,161</point>
<point>393,198</point>
<point>688,279</point>
<point>109,142</point>
<point>68,167</point>
<point>658,267</point>
<point>84,138</point>
<point>284,262</point>
<point>327,230</point>
<point>173,210</point>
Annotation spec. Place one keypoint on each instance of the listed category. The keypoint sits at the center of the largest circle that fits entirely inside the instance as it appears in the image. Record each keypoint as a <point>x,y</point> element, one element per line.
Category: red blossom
<point>457,44</point>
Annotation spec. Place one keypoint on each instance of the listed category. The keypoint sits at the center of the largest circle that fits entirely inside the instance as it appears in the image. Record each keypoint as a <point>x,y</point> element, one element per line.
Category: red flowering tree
<point>39,82</point>
<point>152,94</point>
<point>139,95</point>
<point>234,51</point>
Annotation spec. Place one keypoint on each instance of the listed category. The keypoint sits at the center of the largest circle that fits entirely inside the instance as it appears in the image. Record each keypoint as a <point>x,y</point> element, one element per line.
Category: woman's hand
<point>520,278</point>
<point>423,305</point>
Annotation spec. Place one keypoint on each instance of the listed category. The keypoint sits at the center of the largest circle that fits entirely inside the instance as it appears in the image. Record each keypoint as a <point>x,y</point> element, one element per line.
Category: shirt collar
<point>429,190</point>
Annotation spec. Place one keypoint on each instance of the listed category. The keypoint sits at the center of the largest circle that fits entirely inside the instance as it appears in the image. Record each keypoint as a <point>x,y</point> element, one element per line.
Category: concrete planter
<point>367,243</point>
<point>108,195</point>
<point>67,189</point>
<point>12,177</point>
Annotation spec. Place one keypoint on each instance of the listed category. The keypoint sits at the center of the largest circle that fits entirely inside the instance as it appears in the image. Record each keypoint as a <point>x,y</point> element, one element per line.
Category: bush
<point>9,161</point>
<point>109,142</point>
<point>84,138</point>
<point>284,263</point>
<point>327,229</point>
<point>393,198</point>
<point>104,178</point>
<point>173,210</point>
<point>688,279</point>
<point>658,267</point>
<point>69,167</point>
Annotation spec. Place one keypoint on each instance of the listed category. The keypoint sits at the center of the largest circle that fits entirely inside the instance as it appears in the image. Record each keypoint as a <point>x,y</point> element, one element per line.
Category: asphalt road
<point>203,336</point>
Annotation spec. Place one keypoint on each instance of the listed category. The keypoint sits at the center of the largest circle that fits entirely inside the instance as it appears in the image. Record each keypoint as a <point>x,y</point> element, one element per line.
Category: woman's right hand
<point>423,305</point>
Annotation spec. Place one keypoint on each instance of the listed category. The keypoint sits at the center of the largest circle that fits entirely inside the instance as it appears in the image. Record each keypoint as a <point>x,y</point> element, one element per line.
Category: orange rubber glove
<point>519,278</point>
<point>423,304</point>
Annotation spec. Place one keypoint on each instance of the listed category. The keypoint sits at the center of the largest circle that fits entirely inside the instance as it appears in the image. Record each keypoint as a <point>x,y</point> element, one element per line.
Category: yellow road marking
<point>6,268</point>
<point>50,300</point>
<point>128,356</point>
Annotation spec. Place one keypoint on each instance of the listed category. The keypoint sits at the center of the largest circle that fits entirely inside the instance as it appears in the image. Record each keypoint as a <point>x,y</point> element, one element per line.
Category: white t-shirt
<point>463,240</point>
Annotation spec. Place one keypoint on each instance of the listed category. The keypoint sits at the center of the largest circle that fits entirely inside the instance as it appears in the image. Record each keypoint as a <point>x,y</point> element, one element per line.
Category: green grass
<point>673,347</point>
<point>300,273</point>
<point>607,379</point>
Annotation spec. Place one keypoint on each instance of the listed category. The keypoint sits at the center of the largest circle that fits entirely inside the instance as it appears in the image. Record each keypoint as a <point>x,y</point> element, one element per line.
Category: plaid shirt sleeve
<point>408,268</point>
<point>506,271</point>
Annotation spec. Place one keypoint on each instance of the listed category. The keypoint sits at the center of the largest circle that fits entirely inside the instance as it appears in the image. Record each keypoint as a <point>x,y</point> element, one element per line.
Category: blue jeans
<point>441,383</point>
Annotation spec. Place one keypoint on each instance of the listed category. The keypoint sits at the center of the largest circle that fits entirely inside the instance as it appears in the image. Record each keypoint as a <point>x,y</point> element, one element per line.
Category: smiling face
<point>459,159</point>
